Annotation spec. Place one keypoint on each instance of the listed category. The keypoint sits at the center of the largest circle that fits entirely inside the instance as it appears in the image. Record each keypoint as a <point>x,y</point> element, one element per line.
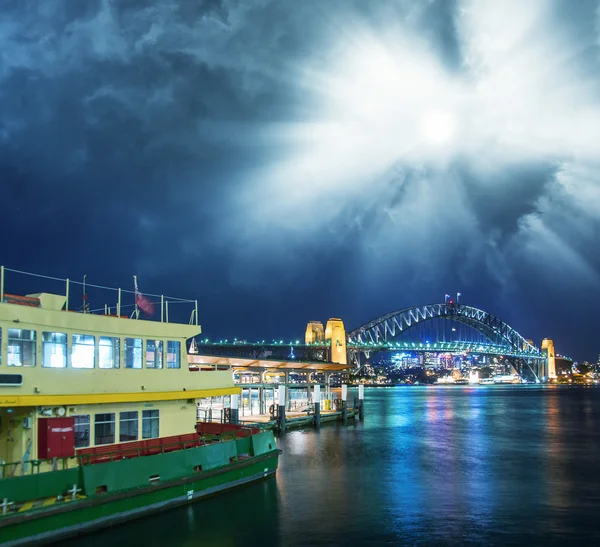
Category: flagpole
<point>137,310</point>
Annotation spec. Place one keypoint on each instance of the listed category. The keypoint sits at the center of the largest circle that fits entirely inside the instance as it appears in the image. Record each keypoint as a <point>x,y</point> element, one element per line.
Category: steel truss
<point>384,329</point>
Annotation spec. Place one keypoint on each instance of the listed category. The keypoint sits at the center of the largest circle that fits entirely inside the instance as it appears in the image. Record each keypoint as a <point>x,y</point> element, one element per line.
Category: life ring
<point>272,410</point>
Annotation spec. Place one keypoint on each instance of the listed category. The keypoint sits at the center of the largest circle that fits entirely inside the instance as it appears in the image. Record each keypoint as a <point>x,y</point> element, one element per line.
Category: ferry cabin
<point>78,383</point>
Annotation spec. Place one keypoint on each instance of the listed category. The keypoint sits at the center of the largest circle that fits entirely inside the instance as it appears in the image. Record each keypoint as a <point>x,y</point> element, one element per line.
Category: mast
<point>136,310</point>
<point>86,306</point>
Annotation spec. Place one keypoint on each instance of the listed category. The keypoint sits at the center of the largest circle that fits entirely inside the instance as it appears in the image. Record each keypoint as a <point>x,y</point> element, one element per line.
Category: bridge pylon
<point>314,332</point>
<point>335,334</point>
<point>548,350</point>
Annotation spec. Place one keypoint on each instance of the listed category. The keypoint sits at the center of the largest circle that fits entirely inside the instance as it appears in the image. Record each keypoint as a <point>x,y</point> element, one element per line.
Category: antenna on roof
<point>86,306</point>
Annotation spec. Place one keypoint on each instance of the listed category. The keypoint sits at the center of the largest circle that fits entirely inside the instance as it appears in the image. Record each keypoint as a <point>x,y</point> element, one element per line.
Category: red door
<point>56,438</point>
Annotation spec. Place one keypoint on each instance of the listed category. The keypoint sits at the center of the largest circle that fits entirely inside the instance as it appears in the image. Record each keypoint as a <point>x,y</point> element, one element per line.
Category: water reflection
<point>494,465</point>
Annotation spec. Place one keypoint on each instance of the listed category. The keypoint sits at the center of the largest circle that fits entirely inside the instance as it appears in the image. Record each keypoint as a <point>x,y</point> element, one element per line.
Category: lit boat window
<point>109,352</point>
<point>154,354</point>
<point>133,353</point>
<point>54,349</point>
<point>83,350</point>
<point>21,348</point>
<point>173,354</point>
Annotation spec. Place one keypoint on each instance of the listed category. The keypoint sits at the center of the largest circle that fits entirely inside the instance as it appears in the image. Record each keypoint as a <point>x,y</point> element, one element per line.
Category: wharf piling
<point>361,400</point>
<point>344,404</point>
<point>234,412</point>
<point>317,403</point>
<point>281,414</point>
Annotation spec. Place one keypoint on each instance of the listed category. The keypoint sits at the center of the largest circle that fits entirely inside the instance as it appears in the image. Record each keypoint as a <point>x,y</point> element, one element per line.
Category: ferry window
<point>104,428</point>
<point>133,353</point>
<point>109,352</point>
<point>173,354</point>
<point>149,424</point>
<point>83,350</point>
<point>128,426</point>
<point>82,431</point>
<point>21,348</point>
<point>154,354</point>
<point>54,349</point>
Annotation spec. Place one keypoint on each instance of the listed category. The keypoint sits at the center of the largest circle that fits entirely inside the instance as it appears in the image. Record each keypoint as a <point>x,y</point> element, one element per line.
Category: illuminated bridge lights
<point>503,339</point>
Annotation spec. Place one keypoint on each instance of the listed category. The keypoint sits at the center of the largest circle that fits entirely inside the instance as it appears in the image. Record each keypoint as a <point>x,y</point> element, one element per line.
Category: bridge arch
<point>388,326</point>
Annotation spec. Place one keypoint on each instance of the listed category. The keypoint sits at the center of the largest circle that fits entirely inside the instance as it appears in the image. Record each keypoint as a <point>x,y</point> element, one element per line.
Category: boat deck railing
<point>138,304</point>
<point>30,467</point>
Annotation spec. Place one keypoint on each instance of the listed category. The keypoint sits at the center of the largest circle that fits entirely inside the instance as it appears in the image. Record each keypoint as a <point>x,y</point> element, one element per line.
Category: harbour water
<point>439,465</point>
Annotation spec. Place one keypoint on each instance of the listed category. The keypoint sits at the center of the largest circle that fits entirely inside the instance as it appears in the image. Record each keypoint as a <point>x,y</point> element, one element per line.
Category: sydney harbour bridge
<point>445,328</point>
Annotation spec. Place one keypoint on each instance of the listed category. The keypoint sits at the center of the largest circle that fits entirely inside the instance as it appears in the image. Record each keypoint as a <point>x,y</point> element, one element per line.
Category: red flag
<point>145,304</point>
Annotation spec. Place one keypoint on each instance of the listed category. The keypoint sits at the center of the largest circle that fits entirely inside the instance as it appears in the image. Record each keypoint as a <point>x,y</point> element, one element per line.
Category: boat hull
<point>81,516</point>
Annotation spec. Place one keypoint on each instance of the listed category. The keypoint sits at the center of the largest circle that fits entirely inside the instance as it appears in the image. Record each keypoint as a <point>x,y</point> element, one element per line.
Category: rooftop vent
<point>50,301</point>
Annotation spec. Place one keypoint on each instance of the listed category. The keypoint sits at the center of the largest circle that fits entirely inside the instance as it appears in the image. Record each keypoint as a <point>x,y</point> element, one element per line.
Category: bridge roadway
<point>295,351</point>
<point>474,332</point>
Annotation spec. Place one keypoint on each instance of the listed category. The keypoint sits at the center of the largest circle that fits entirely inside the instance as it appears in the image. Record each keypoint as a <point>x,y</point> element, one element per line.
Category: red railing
<point>206,433</point>
<point>210,428</point>
<point>135,449</point>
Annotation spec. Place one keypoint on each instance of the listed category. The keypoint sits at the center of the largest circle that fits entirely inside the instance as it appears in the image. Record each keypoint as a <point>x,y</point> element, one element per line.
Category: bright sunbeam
<point>386,99</point>
<point>437,127</point>
<point>391,131</point>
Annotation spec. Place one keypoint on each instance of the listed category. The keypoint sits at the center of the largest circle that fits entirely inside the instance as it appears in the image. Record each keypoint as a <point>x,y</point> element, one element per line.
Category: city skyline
<point>285,162</point>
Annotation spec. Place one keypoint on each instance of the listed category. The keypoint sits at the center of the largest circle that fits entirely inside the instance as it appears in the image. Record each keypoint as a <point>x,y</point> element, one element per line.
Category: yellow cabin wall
<point>48,387</point>
<point>14,438</point>
<point>62,386</point>
<point>175,418</point>
<point>91,391</point>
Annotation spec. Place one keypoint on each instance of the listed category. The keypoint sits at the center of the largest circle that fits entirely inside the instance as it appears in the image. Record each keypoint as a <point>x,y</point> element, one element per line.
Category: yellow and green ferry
<point>98,420</point>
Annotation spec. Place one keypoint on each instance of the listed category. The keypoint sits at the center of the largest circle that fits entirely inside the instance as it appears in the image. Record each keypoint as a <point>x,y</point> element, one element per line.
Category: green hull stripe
<point>77,517</point>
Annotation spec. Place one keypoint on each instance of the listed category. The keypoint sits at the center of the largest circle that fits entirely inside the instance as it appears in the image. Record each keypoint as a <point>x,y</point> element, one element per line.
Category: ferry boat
<point>486,381</point>
<point>507,379</point>
<point>446,380</point>
<point>98,419</point>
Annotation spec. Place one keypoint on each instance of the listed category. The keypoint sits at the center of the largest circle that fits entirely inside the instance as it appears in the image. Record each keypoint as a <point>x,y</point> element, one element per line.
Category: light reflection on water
<point>493,465</point>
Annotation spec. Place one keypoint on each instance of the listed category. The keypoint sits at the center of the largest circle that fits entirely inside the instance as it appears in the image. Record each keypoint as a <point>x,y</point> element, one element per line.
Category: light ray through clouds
<point>521,98</point>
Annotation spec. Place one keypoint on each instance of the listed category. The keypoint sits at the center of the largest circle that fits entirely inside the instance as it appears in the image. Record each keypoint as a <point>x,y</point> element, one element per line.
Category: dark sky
<point>284,161</point>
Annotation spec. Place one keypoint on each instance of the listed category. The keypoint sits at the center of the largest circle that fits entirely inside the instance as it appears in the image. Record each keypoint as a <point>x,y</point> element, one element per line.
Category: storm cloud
<point>285,161</point>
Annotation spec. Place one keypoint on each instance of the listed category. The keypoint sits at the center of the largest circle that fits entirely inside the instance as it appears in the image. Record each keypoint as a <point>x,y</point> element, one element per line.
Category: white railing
<point>164,301</point>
